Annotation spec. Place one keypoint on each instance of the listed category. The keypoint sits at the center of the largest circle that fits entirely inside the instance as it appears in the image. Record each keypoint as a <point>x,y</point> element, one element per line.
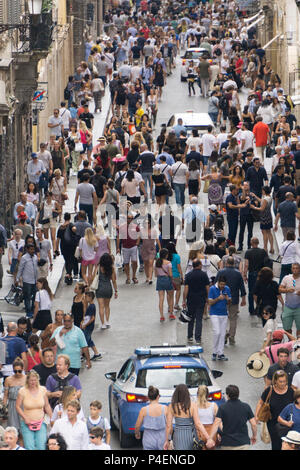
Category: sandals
<point>162,319</point>
<point>127,281</point>
<point>135,281</point>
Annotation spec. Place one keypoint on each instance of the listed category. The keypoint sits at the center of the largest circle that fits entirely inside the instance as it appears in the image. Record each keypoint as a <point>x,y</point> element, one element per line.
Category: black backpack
<point>218,52</point>
<point>60,385</point>
<point>223,103</point>
<point>67,94</point>
<point>118,182</point>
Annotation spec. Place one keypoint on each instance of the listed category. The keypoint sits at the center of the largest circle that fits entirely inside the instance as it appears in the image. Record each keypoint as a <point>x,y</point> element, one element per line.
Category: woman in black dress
<point>281,395</point>
<point>159,79</point>
<point>78,303</point>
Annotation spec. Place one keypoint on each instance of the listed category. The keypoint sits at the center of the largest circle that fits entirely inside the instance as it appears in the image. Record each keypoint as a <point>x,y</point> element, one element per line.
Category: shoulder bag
<point>172,184</point>
<point>264,414</point>
<point>167,186</point>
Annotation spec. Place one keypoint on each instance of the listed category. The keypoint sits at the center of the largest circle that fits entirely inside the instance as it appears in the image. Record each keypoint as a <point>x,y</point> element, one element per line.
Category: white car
<point>191,120</point>
<point>193,53</point>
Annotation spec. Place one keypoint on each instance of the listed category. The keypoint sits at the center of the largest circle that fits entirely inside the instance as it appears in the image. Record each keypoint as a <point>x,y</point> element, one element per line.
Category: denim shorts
<point>164,283</point>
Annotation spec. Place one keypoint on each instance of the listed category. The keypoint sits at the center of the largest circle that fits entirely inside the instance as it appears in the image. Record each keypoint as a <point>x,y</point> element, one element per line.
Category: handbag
<point>41,219</point>
<point>94,285</point>
<point>35,425</point>
<point>264,414</point>
<point>265,436</point>
<point>55,214</point>
<point>79,147</point>
<point>206,186</point>
<point>77,252</point>
<point>198,444</point>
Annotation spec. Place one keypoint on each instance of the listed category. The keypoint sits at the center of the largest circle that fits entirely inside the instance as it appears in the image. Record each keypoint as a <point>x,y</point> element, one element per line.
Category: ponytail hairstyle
<point>33,342</point>
<point>163,254</point>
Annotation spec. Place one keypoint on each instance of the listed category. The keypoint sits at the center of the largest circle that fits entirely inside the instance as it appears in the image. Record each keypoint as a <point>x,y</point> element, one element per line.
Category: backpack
<point>218,52</point>
<point>215,194</point>
<point>67,94</point>
<point>223,103</point>
<point>118,182</point>
<point>70,237</point>
<point>60,385</point>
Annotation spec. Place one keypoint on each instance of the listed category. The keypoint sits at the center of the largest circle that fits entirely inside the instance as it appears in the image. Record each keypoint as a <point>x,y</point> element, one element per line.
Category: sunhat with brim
<point>119,158</point>
<point>257,365</point>
<point>293,437</point>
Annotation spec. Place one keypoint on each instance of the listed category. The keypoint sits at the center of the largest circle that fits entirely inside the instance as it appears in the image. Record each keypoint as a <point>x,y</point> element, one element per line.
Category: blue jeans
<point>232,228</point>
<point>89,210</point>
<point>88,335</point>
<point>252,277</point>
<point>213,117</point>
<point>34,440</point>
<point>147,179</point>
<point>179,193</point>
<point>29,291</point>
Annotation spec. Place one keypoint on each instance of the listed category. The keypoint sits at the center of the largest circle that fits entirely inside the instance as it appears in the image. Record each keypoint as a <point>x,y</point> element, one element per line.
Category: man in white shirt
<point>65,116</point>
<point>96,443</point>
<point>179,171</point>
<point>209,143</point>
<point>45,156</point>
<point>222,137</point>
<point>194,139</point>
<point>245,137</point>
<point>73,430</point>
<point>135,71</point>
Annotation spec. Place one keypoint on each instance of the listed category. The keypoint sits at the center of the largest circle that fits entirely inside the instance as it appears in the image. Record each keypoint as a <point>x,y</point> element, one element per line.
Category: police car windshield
<point>169,378</point>
<point>193,54</point>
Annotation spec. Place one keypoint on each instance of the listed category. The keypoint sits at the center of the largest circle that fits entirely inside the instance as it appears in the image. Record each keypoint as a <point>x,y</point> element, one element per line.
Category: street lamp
<point>35,7</point>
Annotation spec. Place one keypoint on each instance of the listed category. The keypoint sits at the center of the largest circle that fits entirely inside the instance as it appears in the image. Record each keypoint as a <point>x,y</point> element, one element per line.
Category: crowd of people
<point>116,228</point>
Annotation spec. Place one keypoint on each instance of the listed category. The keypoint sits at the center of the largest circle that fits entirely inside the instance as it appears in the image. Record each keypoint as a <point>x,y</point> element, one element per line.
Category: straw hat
<point>257,365</point>
<point>293,437</point>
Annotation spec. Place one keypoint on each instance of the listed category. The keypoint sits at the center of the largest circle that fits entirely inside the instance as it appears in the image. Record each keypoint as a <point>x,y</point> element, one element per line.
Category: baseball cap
<point>34,155</point>
<point>212,207</point>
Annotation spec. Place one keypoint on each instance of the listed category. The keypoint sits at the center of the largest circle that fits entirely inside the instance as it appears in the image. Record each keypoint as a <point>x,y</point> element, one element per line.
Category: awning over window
<point>272,40</point>
<point>255,22</point>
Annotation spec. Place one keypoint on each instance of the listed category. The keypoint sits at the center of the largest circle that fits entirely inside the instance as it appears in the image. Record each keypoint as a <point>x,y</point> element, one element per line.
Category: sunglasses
<point>92,437</point>
<point>18,371</point>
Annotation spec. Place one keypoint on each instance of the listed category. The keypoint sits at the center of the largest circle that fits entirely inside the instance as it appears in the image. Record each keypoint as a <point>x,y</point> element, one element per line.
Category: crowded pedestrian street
<point>150,271</point>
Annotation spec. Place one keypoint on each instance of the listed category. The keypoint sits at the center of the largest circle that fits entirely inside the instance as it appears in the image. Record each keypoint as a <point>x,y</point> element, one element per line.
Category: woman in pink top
<point>103,246</point>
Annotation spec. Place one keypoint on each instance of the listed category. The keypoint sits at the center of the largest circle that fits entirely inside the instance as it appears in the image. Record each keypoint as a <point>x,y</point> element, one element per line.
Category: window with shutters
<point>3,11</point>
<point>14,11</point>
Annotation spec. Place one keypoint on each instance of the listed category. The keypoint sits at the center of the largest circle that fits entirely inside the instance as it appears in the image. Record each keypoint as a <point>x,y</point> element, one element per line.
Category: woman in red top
<point>34,354</point>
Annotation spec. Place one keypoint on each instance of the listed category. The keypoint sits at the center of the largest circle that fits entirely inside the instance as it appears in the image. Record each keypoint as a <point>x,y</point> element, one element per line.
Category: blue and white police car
<point>163,367</point>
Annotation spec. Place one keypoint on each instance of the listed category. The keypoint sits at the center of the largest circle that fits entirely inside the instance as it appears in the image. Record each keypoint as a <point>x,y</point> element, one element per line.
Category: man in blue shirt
<point>169,159</point>
<point>219,297</point>
<point>179,127</point>
<point>15,347</point>
<point>232,209</point>
<point>70,340</point>
<point>236,284</point>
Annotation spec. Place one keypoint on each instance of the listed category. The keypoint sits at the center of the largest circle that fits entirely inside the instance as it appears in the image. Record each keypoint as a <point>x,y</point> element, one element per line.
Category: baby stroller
<point>15,296</point>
